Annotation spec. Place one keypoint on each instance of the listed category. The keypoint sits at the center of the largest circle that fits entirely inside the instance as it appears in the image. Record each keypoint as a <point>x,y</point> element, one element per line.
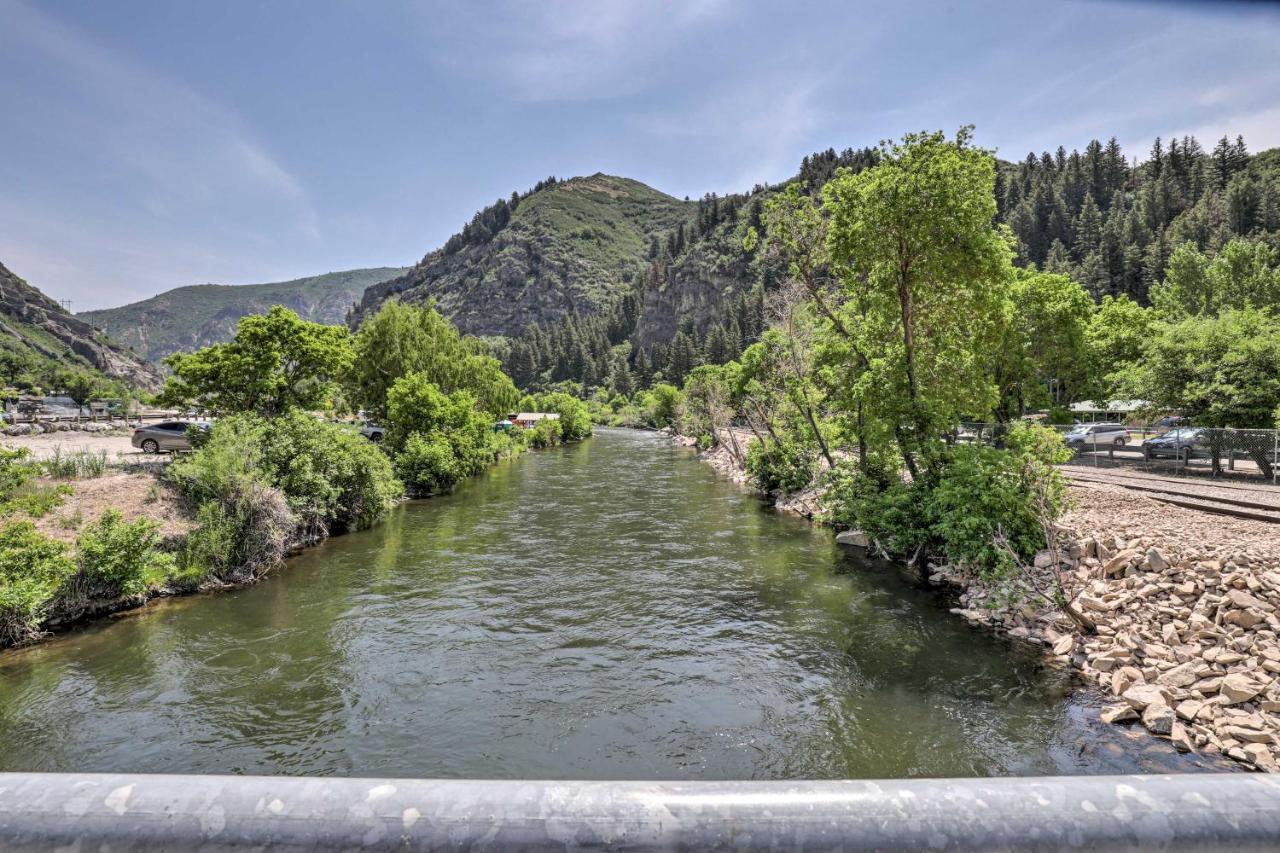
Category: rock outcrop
<point>41,325</point>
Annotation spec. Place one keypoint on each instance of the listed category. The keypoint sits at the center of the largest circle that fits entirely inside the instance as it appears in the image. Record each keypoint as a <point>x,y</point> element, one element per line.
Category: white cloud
<point>572,50</point>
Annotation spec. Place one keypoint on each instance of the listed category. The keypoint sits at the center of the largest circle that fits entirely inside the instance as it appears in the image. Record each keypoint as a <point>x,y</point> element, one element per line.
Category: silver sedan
<point>164,436</point>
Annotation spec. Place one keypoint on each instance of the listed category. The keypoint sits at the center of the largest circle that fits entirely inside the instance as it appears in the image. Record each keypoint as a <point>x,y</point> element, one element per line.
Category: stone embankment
<point>1187,608</point>
<point>45,427</point>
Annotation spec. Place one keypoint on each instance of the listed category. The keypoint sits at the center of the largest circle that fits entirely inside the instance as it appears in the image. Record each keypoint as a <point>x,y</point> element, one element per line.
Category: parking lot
<point>116,445</point>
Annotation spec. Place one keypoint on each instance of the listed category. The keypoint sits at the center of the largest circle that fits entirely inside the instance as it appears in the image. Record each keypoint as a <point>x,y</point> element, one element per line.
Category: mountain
<point>607,308</point>
<point>188,318</point>
<point>564,246</point>
<point>40,341</point>
<point>575,274</point>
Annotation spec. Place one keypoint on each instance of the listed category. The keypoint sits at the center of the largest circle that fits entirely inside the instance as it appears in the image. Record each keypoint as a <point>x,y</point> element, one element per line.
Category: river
<point>605,610</point>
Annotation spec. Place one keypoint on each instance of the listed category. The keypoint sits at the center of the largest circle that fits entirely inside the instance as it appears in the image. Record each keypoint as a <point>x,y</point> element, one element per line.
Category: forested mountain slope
<point>187,318</point>
<point>1112,224</point>
<point>42,346</point>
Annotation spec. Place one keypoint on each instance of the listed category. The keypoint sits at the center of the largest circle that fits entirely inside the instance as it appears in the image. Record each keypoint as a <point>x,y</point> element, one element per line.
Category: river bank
<point>85,535</point>
<point>1187,607</point>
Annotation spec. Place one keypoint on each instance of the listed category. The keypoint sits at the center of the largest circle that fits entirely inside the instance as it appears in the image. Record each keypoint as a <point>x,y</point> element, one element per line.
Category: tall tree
<point>915,250</point>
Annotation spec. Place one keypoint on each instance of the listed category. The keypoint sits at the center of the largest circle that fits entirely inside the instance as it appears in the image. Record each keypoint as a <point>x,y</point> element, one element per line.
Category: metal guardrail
<point>139,812</point>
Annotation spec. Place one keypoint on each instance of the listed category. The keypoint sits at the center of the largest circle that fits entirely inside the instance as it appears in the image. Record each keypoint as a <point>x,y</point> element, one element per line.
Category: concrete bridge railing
<point>145,812</point>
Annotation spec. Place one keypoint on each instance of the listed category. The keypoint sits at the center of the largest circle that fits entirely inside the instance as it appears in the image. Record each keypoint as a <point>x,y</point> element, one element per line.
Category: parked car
<point>1090,435</point>
<point>1182,443</point>
<point>1172,422</point>
<point>165,436</point>
<point>374,433</point>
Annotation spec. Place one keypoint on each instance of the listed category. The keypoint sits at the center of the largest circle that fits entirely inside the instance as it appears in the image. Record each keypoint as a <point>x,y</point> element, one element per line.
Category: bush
<point>784,467</point>
<point>544,434</point>
<point>427,465</point>
<point>880,503</point>
<point>238,538</point>
<point>32,570</point>
<point>125,557</point>
<point>974,497</point>
<point>15,471</point>
<point>665,400</point>
<point>332,477</point>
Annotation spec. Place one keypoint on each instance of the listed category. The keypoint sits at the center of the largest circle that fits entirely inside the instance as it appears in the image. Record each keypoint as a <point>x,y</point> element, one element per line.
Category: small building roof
<point>1110,405</point>
<point>538,416</point>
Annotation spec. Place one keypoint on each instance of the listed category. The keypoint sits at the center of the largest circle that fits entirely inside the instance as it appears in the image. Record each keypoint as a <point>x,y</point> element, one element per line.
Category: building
<point>526,420</point>
<point>1111,411</point>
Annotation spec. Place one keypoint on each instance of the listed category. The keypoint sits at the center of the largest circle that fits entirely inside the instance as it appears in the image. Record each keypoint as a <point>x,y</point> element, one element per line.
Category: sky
<point>147,144</point>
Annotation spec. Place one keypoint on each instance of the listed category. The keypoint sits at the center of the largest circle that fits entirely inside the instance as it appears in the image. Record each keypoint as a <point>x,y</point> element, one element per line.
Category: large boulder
<point>1238,687</point>
<point>1141,695</point>
<point>854,538</point>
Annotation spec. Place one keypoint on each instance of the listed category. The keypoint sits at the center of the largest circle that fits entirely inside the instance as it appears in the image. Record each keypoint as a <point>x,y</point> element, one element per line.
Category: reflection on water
<point>607,610</point>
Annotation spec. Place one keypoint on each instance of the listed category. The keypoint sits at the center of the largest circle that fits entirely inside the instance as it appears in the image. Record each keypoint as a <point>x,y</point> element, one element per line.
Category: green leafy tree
<point>1044,356</point>
<point>925,276</point>
<point>1115,339</point>
<point>276,362</point>
<point>405,339</point>
<point>1220,371</point>
<point>417,405</point>
<point>1244,274</point>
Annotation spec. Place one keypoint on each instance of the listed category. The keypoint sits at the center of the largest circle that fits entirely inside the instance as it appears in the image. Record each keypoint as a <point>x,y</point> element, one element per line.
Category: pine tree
<point>1088,228</point>
<point>620,378</point>
<point>682,357</point>
<point>716,348</point>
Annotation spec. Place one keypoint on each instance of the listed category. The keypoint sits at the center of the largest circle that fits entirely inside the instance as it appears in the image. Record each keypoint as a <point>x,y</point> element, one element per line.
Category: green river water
<point>610,609</point>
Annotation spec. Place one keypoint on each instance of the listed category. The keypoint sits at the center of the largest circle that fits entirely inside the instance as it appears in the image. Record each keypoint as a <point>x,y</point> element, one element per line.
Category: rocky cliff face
<point>38,323</point>
<point>573,245</point>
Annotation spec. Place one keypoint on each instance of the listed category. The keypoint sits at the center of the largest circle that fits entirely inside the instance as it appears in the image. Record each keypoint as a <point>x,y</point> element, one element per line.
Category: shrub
<point>227,464</point>
<point>124,557</point>
<point>238,538</point>
<point>975,498</point>
<point>15,471</point>
<point>544,434</point>
<point>428,465</point>
<point>665,401</point>
<point>331,476</point>
<point>785,467</point>
<point>880,503</point>
<point>32,569</point>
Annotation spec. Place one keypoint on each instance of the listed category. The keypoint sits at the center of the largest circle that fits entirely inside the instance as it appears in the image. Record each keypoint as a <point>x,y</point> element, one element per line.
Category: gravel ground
<point>1256,492</point>
<point>44,446</point>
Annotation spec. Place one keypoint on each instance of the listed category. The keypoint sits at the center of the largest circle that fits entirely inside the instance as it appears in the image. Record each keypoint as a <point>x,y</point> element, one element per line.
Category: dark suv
<point>1182,443</point>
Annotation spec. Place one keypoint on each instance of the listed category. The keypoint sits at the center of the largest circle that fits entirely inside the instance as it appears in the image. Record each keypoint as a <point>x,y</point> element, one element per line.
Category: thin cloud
<point>572,50</point>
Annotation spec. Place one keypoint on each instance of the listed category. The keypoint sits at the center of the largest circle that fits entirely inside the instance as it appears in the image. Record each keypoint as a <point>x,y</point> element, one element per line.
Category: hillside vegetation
<point>565,246</point>
<point>188,318</point>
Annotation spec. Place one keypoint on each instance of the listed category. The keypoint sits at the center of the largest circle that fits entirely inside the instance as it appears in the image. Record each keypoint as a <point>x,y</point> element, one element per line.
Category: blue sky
<point>147,145</point>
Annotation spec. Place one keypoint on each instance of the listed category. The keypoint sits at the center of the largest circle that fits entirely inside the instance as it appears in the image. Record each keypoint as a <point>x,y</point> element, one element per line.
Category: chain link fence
<point>1250,454</point>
